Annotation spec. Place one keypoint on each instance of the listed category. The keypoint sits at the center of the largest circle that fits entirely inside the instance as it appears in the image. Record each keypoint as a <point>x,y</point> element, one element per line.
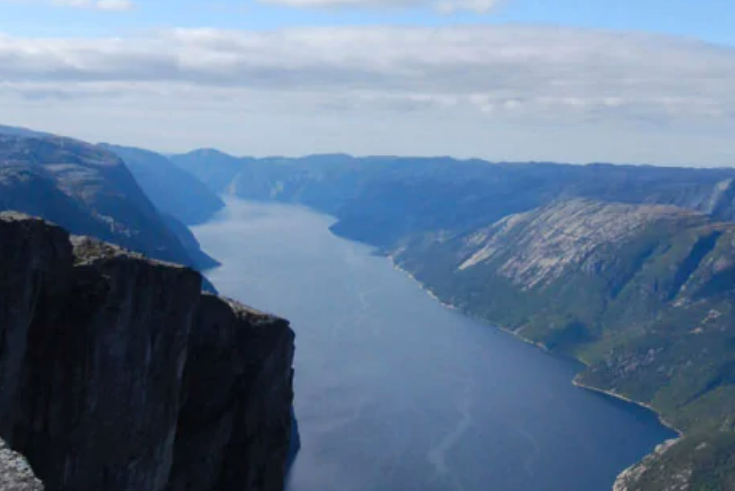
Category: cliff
<point>117,373</point>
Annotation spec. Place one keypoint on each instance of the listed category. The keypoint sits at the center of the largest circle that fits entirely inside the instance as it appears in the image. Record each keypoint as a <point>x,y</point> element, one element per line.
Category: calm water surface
<point>395,392</point>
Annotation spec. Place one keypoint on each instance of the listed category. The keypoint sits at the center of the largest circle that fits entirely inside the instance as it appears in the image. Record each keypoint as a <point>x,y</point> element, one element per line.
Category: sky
<point>635,81</point>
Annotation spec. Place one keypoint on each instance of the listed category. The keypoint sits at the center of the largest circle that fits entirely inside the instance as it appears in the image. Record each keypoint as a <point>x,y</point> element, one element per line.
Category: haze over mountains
<point>630,269</point>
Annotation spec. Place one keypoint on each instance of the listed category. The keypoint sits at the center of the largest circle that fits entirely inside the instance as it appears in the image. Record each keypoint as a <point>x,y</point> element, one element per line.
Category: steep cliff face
<point>236,401</point>
<point>115,370</point>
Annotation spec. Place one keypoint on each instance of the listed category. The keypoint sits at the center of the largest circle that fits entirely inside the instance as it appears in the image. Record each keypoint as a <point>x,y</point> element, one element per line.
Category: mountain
<point>214,168</point>
<point>630,269</point>
<point>441,192</point>
<point>18,131</point>
<point>117,373</point>
<point>87,190</point>
<point>644,295</point>
<point>172,190</point>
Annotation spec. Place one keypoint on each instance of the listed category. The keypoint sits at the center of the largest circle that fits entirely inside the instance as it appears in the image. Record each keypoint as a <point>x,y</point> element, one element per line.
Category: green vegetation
<point>651,317</point>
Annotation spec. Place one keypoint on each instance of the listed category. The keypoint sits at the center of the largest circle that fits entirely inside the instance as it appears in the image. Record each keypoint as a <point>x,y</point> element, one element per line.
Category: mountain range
<point>629,269</point>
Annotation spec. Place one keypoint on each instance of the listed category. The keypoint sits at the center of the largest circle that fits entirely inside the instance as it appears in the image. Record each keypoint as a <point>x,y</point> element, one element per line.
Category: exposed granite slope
<point>550,241</point>
<point>114,369</point>
<point>15,473</point>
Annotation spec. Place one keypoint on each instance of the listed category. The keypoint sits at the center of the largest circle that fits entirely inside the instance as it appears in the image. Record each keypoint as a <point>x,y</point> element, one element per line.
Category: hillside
<point>87,190</point>
<point>642,294</point>
<point>173,191</point>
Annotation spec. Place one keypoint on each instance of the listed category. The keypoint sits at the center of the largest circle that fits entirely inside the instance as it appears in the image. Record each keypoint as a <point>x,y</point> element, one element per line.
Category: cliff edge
<point>117,373</point>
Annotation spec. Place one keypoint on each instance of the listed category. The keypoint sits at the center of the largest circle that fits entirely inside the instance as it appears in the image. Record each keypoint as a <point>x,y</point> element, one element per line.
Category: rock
<point>629,479</point>
<point>549,241</point>
<point>15,473</point>
<point>118,374</point>
<point>233,406</point>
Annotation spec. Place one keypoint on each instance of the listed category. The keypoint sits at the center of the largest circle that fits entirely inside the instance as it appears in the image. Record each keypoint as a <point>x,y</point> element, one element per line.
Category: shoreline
<point>454,308</point>
<point>575,380</point>
<point>621,397</point>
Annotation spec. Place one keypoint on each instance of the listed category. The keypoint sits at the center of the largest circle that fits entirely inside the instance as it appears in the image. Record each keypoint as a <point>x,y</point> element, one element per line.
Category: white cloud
<point>591,90</point>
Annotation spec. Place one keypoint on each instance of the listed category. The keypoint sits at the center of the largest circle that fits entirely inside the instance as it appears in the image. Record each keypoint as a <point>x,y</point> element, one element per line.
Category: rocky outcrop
<point>628,480</point>
<point>116,373</point>
<point>15,473</point>
<point>548,242</point>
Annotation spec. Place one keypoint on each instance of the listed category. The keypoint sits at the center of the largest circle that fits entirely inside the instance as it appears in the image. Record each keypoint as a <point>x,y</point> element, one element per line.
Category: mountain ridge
<point>89,191</point>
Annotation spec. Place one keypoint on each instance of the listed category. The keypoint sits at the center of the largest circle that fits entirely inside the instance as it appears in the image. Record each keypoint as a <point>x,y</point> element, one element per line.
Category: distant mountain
<point>173,191</point>
<point>441,192</point>
<point>85,189</point>
<point>630,269</point>
<point>214,168</point>
<point>201,259</point>
<point>18,131</point>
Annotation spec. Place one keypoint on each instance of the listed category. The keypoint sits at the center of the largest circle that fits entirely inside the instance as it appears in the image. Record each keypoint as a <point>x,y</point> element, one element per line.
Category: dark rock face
<point>116,373</point>
<point>234,410</point>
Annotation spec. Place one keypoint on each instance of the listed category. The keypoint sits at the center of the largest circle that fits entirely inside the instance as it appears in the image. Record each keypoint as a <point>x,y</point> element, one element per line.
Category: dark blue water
<point>395,392</point>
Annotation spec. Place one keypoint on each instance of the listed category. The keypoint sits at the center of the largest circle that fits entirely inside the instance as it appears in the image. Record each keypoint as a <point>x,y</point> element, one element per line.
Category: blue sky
<point>710,20</point>
<point>575,80</point>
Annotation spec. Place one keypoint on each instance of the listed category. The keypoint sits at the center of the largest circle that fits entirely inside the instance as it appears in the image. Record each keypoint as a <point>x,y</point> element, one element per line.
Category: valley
<point>395,392</point>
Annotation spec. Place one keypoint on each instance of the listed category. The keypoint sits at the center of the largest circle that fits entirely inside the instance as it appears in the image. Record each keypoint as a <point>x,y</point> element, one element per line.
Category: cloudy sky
<point>643,81</point>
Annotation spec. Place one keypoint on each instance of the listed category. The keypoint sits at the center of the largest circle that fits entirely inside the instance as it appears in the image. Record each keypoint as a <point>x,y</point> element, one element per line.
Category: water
<point>396,393</point>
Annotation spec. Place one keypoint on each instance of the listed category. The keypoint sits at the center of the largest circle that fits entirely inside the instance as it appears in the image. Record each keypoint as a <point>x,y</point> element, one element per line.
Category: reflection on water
<point>395,392</point>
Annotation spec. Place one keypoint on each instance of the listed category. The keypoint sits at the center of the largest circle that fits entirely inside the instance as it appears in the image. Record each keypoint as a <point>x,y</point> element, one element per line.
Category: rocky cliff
<point>116,373</point>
